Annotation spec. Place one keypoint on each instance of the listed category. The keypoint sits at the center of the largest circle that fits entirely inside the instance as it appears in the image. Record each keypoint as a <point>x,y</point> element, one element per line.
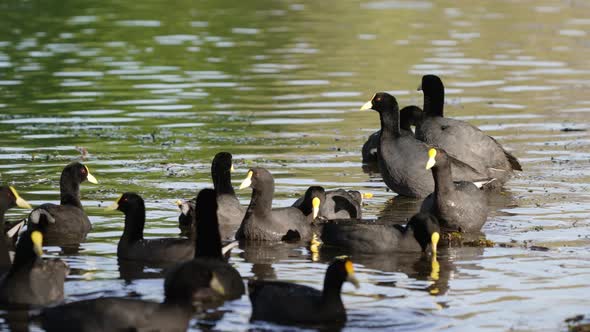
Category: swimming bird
<point>421,231</point>
<point>132,246</point>
<point>460,139</point>
<point>70,223</point>
<point>31,279</point>
<point>311,201</point>
<point>186,217</point>
<point>288,303</point>
<point>408,116</point>
<point>402,158</point>
<point>116,314</point>
<point>230,212</point>
<point>457,205</point>
<point>207,277</point>
<point>331,204</point>
<point>262,222</point>
<point>9,198</point>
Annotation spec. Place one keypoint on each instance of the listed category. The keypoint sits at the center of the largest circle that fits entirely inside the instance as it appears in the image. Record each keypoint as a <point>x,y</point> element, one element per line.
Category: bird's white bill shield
<point>90,177</point>
<point>247,181</point>
<point>367,106</point>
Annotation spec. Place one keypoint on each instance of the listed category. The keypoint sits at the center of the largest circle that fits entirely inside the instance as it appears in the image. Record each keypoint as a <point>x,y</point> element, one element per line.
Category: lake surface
<point>152,90</point>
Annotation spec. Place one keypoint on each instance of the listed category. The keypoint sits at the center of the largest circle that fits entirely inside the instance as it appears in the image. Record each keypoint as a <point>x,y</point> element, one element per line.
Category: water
<point>152,91</point>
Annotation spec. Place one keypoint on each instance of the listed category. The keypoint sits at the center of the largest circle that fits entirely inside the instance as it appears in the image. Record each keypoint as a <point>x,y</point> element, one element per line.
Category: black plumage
<point>69,224</point>
<point>458,205</point>
<point>174,314</point>
<point>311,202</point>
<point>459,138</point>
<point>421,231</point>
<point>230,212</point>
<point>408,116</point>
<point>262,222</point>
<point>331,204</point>
<point>132,246</point>
<point>9,198</point>
<point>207,277</point>
<point>186,217</point>
<point>402,158</point>
<point>108,314</point>
<point>31,279</point>
<point>342,204</point>
<point>119,314</point>
<point>288,303</point>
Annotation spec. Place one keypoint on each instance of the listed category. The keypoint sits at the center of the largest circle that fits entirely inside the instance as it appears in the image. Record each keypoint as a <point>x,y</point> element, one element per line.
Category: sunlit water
<point>153,90</point>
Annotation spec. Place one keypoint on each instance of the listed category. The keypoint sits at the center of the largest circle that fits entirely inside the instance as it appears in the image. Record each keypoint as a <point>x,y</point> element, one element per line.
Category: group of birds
<point>449,163</point>
<point>464,162</point>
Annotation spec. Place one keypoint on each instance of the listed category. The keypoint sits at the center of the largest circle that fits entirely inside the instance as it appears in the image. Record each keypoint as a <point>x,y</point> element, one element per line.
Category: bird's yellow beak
<point>434,242</point>
<point>20,202</point>
<point>232,169</point>
<point>350,274</point>
<point>89,176</point>
<point>115,205</point>
<point>37,239</point>
<point>247,181</point>
<point>315,203</point>
<point>431,161</point>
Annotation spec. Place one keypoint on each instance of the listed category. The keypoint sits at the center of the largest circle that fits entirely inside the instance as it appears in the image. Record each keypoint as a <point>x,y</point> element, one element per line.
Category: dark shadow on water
<point>264,271</point>
<point>130,270</point>
<point>419,266</point>
<point>70,250</point>
<point>399,209</point>
<point>208,320</point>
<point>68,244</point>
<point>270,252</point>
<point>268,326</point>
<point>16,320</point>
<point>501,200</point>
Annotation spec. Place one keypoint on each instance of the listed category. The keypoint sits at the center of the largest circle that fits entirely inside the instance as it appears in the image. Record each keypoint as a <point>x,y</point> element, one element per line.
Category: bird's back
<point>195,276</point>
<point>114,314</point>
<point>157,250</point>
<point>465,142</point>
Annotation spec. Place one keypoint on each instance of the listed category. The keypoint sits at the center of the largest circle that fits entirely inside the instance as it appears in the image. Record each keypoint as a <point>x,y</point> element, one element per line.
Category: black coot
<point>457,205</point>
<point>69,224</point>
<point>288,303</point>
<point>402,158</point>
<point>459,138</point>
<point>133,247</point>
<point>262,222</point>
